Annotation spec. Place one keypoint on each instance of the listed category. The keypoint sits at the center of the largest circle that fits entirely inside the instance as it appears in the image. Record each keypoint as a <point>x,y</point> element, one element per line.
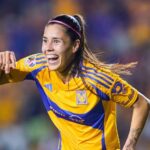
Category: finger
<point>7,62</point>
<point>13,59</point>
<point>7,57</point>
<point>1,61</point>
<point>7,68</point>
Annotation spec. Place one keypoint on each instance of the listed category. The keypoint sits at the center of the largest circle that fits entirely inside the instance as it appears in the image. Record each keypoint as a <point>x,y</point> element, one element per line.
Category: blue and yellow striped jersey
<point>86,120</point>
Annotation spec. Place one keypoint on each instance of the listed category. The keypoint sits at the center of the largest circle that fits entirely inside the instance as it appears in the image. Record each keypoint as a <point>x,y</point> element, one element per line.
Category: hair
<point>75,27</point>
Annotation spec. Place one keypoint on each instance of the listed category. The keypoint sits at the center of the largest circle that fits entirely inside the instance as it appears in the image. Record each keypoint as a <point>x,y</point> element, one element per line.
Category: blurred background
<point>120,29</point>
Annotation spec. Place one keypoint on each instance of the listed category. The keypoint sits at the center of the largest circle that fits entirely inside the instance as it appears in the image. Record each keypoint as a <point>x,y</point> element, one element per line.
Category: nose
<point>47,48</point>
<point>48,51</point>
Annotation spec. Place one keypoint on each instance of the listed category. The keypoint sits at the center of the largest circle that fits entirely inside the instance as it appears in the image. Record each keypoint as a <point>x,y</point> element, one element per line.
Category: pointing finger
<point>7,62</point>
<point>13,59</point>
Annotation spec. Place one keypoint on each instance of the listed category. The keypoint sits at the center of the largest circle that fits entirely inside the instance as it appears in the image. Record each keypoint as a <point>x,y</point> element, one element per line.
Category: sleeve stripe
<point>98,76</point>
<point>100,93</point>
<point>41,62</point>
<point>87,76</point>
<point>39,58</point>
<point>99,73</point>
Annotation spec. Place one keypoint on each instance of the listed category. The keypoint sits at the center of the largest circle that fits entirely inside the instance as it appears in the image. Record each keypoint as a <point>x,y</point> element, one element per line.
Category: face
<point>58,47</point>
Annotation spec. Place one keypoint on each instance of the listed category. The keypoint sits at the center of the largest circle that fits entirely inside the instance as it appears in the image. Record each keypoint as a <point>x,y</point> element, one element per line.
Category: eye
<point>44,40</point>
<point>56,41</point>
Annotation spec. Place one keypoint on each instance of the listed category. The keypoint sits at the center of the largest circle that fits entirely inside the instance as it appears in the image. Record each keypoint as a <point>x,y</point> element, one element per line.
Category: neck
<point>66,74</point>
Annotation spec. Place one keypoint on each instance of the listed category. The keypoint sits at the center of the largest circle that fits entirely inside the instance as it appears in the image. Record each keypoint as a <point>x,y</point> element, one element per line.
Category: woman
<point>79,91</point>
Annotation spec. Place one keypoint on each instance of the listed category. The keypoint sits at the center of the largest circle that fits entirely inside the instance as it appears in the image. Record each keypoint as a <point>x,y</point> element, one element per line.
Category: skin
<point>7,61</point>
<point>139,116</point>
<point>57,44</point>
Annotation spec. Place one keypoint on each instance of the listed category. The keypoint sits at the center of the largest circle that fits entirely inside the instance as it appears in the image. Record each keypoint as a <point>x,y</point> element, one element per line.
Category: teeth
<point>52,57</point>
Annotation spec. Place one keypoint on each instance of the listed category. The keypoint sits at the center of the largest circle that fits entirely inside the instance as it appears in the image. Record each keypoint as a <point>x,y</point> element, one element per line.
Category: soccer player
<point>79,91</point>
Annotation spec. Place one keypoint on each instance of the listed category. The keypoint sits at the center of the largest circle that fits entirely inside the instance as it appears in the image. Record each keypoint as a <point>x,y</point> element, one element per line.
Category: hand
<point>7,61</point>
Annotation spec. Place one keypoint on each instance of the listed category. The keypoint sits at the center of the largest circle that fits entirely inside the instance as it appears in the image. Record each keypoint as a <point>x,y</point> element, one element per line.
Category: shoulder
<point>34,59</point>
<point>32,62</point>
<point>98,71</point>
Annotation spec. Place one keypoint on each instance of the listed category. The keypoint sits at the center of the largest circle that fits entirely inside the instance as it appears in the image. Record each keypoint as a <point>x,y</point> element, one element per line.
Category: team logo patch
<point>118,88</point>
<point>30,61</point>
<point>81,97</point>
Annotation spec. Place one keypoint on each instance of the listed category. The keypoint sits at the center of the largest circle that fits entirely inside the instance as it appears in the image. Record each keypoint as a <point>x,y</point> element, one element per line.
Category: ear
<point>76,46</point>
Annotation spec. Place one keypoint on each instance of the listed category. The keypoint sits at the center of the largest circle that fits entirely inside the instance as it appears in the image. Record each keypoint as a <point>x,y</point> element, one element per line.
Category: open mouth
<point>52,58</point>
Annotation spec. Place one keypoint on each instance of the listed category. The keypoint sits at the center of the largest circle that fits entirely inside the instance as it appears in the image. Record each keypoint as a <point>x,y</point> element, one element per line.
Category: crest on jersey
<point>81,97</point>
<point>118,88</point>
<point>30,61</point>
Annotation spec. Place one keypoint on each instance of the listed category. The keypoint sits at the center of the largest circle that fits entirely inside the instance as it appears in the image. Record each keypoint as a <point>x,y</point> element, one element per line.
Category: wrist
<point>130,144</point>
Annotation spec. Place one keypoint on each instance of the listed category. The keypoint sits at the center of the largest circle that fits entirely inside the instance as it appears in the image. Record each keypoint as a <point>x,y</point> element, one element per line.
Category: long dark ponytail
<point>88,55</point>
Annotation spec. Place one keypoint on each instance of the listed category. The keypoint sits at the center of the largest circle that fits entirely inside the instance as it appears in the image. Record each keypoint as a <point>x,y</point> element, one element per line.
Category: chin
<point>54,67</point>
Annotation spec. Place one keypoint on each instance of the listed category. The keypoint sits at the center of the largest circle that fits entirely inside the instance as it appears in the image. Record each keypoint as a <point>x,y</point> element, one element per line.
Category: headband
<point>65,20</point>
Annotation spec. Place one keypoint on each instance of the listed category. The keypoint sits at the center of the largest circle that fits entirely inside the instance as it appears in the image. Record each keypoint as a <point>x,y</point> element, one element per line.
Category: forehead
<point>55,30</point>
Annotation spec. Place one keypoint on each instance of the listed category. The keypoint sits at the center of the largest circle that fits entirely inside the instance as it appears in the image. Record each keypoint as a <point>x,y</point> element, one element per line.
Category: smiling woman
<point>79,91</point>
<point>58,48</point>
<point>60,44</point>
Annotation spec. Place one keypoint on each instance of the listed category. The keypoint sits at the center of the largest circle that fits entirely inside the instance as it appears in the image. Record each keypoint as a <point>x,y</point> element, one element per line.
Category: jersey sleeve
<point>123,93</point>
<point>23,68</point>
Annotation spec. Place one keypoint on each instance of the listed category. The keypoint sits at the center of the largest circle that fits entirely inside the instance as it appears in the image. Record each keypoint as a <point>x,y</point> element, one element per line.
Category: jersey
<point>84,114</point>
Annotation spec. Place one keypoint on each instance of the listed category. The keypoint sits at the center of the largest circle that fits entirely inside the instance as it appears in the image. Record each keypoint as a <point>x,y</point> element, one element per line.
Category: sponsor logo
<point>62,114</point>
<point>57,112</point>
<point>49,87</point>
<point>76,118</point>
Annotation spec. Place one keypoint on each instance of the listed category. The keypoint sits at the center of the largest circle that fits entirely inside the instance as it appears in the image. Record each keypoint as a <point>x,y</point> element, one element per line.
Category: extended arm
<point>140,114</point>
<point>12,71</point>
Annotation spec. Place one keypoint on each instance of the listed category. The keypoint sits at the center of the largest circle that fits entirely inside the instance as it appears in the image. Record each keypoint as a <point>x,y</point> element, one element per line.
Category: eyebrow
<point>44,37</point>
<point>53,38</point>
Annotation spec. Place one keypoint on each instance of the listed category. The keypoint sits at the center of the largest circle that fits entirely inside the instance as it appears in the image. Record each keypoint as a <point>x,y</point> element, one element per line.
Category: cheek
<point>66,57</point>
<point>60,51</point>
<point>43,48</point>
